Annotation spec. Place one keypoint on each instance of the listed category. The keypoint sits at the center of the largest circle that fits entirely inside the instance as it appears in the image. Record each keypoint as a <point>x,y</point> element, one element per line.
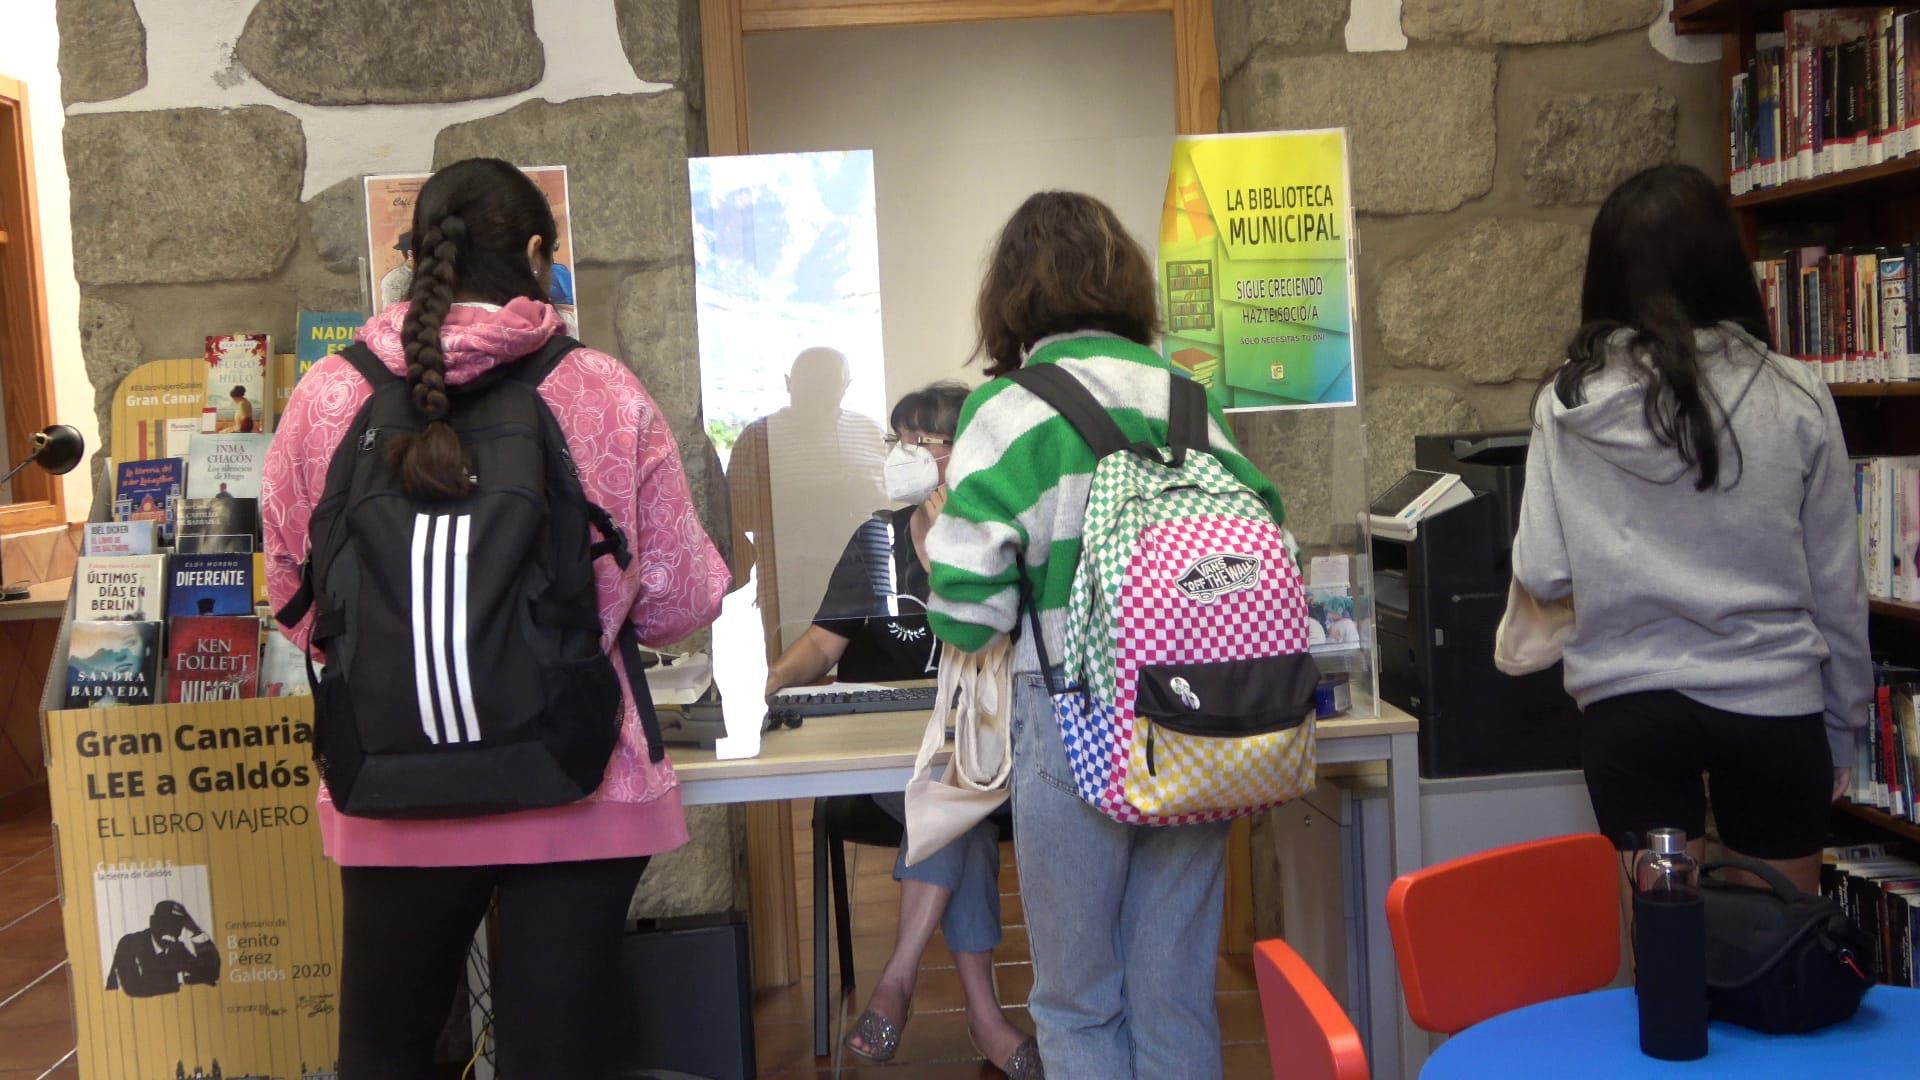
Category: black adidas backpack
<point>464,674</point>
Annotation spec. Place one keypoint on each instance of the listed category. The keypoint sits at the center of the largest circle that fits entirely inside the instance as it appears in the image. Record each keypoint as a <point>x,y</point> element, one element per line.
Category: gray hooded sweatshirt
<point>1749,597</point>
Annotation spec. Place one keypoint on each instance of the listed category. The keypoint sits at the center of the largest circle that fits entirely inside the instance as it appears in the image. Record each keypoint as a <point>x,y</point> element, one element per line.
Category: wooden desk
<point>874,752</point>
<point>29,629</point>
<point>47,600</point>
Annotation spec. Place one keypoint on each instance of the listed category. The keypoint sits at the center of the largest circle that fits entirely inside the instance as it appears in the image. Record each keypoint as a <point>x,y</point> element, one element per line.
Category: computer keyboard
<point>792,706</point>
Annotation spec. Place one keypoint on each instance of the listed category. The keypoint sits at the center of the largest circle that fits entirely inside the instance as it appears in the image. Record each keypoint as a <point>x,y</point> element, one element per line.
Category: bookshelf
<point>1872,205</point>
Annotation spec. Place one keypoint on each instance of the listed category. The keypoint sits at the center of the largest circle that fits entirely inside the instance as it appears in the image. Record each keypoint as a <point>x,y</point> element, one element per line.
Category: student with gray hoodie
<point>1688,488</point>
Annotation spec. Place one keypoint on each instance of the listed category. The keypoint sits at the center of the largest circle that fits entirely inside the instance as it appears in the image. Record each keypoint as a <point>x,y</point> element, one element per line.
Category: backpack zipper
<point>369,438</point>
<point>1151,771</point>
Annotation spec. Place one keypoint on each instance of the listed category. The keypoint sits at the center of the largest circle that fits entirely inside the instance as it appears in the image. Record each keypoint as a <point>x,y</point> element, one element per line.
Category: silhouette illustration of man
<point>170,953</point>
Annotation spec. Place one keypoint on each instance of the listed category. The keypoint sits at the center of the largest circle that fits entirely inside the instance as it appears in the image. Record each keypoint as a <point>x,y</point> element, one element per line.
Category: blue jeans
<point>969,868</point>
<point>1124,921</point>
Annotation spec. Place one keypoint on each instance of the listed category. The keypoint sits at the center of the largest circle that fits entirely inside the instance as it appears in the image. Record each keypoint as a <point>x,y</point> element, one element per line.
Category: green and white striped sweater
<point>1017,484</point>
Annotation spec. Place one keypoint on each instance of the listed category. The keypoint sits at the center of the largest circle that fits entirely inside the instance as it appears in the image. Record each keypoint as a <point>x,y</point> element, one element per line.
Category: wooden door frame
<point>26,349</point>
<point>724,25</point>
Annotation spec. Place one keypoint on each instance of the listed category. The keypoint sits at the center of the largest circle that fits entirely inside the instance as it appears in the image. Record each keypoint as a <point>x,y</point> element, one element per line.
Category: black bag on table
<point>464,671</point>
<point>1779,960</point>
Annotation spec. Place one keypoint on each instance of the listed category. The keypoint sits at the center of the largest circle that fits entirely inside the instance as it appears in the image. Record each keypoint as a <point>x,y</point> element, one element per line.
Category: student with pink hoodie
<point>415,890</point>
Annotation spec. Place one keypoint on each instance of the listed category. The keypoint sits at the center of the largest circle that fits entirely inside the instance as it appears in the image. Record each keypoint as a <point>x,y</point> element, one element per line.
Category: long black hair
<point>471,225</point>
<point>1665,260</point>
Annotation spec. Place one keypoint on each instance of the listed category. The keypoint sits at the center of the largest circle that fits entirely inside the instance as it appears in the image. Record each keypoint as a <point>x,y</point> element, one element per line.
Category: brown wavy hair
<point>1063,263</point>
<point>471,225</point>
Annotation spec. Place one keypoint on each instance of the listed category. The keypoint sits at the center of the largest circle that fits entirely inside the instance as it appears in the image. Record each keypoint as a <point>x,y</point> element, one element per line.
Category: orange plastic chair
<point>1488,933</point>
<point>1308,1035</point>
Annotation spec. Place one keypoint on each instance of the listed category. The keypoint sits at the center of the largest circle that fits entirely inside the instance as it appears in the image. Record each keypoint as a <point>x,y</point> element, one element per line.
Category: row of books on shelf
<point>1880,891</point>
<point>1847,311</point>
<point>149,629</point>
<point>1837,89</point>
<point>1886,503</point>
<point>1887,760</point>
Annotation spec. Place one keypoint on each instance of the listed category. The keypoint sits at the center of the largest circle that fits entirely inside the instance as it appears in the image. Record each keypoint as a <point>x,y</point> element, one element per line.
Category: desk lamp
<point>57,450</point>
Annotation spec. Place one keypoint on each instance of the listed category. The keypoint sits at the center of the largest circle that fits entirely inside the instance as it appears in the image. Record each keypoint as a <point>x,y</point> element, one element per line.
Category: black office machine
<point>1440,587</point>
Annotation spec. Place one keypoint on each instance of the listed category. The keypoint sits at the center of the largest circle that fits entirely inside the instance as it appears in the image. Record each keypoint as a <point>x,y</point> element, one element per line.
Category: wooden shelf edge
<point>1906,830</point>
<point>1895,609</point>
<point>1830,186</point>
<point>1874,390</point>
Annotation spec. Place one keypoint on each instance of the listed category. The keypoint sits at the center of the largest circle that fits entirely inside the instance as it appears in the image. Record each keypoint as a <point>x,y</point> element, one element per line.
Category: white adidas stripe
<point>437,625</point>
<point>429,722</point>
<point>441,545</point>
<point>462,678</point>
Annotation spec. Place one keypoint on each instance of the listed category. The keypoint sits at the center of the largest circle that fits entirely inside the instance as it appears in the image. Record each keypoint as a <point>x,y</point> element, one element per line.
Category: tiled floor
<point>935,1042</point>
<point>36,1014</point>
<point>36,1026</point>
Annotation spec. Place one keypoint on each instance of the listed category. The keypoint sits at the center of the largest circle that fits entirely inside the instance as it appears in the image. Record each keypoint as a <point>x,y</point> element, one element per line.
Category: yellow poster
<point>1257,269</point>
<point>202,920</point>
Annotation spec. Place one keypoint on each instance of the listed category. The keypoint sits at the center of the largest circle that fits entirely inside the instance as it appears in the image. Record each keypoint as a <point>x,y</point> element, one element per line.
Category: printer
<point>1442,558</point>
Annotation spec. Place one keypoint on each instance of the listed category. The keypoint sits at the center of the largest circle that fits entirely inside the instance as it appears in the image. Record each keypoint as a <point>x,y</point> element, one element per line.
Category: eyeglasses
<point>918,440</point>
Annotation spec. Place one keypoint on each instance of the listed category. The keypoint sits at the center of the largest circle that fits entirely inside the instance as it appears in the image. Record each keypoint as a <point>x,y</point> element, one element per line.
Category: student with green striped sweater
<point>1124,921</point>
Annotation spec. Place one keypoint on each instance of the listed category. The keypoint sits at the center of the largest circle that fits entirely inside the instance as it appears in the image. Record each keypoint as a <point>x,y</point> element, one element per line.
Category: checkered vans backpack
<point>1186,692</point>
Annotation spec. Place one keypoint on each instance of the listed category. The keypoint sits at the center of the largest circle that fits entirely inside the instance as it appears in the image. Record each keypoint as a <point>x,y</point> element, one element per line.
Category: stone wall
<point>1480,152</point>
<point>215,154</point>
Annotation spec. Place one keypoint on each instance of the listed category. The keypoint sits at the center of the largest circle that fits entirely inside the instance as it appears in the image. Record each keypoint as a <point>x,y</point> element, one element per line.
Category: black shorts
<point>1771,777</point>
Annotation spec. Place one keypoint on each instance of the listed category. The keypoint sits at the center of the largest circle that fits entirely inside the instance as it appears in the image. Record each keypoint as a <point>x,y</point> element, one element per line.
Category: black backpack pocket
<point>1229,699</point>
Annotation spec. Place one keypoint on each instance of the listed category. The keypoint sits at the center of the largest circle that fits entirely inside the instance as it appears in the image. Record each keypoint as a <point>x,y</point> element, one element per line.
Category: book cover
<point>226,466</point>
<point>150,491</point>
<point>112,663</point>
<point>177,436</point>
<point>1879,48</point>
<point>239,380</point>
<point>131,587</point>
<point>1893,314</point>
<point>212,658</point>
<point>215,526</point>
<point>260,601</point>
<point>210,585</point>
<point>321,334</point>
<point>1738,167</point>
<point>119,538</point>
<point>283,668</point>
<point>1910,62</point>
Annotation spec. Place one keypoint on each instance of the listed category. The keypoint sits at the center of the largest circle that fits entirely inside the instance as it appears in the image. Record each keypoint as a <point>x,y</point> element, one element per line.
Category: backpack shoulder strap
<point>1079,407</point>
<point>1187,419</point>
<point>533,370</point>
<point>367,364</point>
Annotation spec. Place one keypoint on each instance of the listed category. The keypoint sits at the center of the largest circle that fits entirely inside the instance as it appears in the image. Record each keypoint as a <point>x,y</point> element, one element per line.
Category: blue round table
<point>1598,1035</point>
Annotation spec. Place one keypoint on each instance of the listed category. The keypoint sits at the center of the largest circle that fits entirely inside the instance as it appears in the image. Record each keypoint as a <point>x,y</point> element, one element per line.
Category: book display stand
<point>201,918</point>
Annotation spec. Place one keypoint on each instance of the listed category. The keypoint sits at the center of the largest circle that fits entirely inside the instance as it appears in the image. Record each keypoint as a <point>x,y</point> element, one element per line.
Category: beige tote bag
<point>976,696</point>
<point>1531,633</point>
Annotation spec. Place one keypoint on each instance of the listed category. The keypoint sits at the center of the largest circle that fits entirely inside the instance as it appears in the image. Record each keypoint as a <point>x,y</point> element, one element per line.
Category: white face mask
<point>912,474</point>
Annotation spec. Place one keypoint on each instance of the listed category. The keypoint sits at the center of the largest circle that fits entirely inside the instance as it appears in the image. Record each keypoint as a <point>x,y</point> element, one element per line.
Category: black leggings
<point>556,976</point>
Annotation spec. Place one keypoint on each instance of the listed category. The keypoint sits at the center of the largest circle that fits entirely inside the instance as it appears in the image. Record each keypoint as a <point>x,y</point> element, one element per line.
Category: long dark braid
<point>432,465</point>
<point>471,225</point>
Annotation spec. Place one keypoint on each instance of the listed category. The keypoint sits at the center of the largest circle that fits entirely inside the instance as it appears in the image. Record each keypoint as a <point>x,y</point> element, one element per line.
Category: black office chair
<point>838,821</point>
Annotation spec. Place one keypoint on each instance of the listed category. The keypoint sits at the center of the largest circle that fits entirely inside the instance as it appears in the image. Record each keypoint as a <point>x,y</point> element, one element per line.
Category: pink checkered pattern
<point>1159,623</point>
